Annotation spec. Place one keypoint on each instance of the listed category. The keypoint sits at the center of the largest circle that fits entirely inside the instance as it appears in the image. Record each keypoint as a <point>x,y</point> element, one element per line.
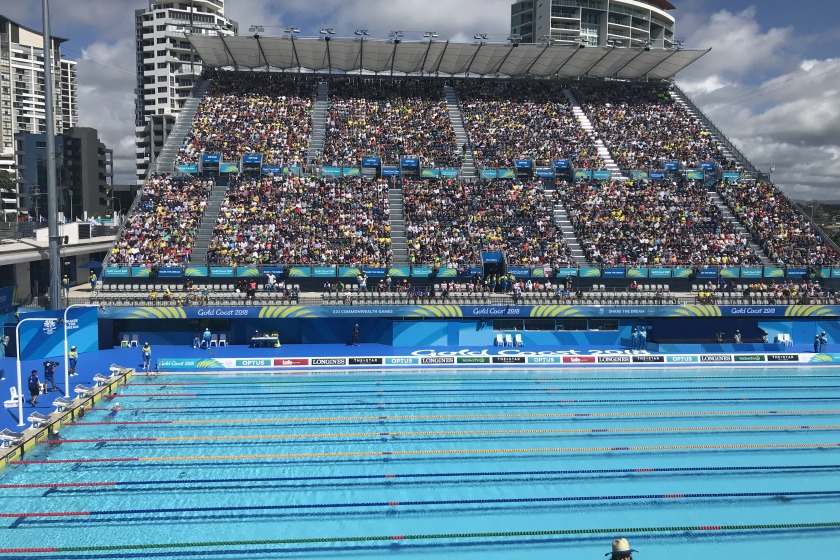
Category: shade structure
<point>541,60</point>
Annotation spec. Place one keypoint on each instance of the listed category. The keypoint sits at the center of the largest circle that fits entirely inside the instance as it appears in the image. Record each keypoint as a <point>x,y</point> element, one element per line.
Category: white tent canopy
<point>440,58</point>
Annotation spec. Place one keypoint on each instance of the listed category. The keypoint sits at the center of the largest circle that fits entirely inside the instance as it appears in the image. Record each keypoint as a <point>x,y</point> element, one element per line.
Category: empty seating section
<point>389,118</point>
<point>162,229</point>
<point>642,126</point>
<point>247,112</point>
<point>784,233</point>
<point>653,223</point>
<point>523,120</point>
<point>293,220</point>
<point>449,223</point>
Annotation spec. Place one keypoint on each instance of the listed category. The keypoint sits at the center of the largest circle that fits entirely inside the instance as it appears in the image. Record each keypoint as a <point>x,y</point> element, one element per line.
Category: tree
<point>7,183</point>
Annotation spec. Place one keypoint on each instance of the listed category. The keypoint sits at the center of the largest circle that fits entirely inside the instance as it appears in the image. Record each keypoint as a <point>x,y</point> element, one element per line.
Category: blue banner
<point>660,273</point>
<point>45,339</point>
<point>331,171</point>
<point>228,168</point>
<point>410,162</point>
<point>291,170</point>
<point>731,177</point>
<point>638,272</point>
<point>297,272</point>
<point>563,272</point>
<point>707,273</point>
<point>520,272</point>
<point>602,175</point>
<point>449,173</point>
<point>447,273</point>
<point>271,170</point>
<point>399,272</point>
<point>694,175</point>
<point>773,272</point>
<point>196,271</point>
<point>324,272</point>
<point>672,165</point>
<point>421,271</point>
<point>170,272</point>
<point>247,272</point>
<point>7,299</point>
<point>615,272</point>
<point>491,257</point>
<point>390,171</point>
<point>489,174</point>
<point>545,173</point>
<point>252,158</point>
<point>221,272</point>
<point>730,272</point>
<point>276,270</point>
<point>188,167</point>
<point>707,165</point>
<point>211,158</point>
<point>348,271</point>
<point>430,173</point>
<point>561,164</point>
<point>639,175</point>
<point>116,272</point>
<point>658,175</point>
<point>506,174</point>
<point>374,272</point>
<point>371,162</point>
<point>590,272</point>
<point>351,171</point>
<point>680,272</point>
<point>835,272</point>
<point>141,272</point>
<point>583,174</point>
<point>797,272</point>
<point>523,164</point>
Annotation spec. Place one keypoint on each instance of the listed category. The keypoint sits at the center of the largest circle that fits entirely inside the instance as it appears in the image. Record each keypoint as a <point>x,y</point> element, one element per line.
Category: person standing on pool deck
<point>621,550</point>
<point>206,337</point>
<point>146,352</point>
<point>49,375</point>
<point>355,340</point>
<point>816,343</point>
<point>34,387</point>
<point>634,338</point>
<point>642,339</point>
<point>823,341</point>
<point>72,361</point>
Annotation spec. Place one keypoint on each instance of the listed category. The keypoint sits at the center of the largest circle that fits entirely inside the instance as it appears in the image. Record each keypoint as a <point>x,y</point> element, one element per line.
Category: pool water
<point>490,465</point>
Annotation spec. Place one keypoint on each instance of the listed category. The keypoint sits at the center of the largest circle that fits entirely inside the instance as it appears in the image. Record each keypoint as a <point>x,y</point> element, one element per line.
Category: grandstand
<point>362,175</point>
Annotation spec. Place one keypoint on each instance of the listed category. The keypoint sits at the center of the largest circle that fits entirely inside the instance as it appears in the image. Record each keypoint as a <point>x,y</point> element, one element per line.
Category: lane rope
<point>646,430</point>
<point>390,477</point>
<point>432,452</point>
<point>677,532</point>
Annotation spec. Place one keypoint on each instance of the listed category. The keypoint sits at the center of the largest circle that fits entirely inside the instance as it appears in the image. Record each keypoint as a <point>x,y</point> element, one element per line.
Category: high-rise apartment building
<point>22,102</point>
<point>167,66</point>
<point>619,23</point>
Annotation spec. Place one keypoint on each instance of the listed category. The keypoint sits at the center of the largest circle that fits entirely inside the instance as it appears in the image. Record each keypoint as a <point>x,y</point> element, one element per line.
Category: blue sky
<point>770,81</point>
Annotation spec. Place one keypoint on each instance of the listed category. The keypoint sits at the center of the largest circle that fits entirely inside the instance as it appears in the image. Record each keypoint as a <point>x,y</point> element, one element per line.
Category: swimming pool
<point>484,464</point>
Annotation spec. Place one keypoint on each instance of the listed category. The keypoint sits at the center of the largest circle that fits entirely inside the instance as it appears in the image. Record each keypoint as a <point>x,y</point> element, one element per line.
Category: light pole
<point>19,378</point>
<point>66,351</point>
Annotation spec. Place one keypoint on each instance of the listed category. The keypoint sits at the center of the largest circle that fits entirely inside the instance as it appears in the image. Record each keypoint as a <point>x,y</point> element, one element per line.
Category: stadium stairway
<point>586,124</point>
<point>165,161</point>
<point>561,218</point>
<point>399,242</point>
<point>208,223</point>
<point>739,228</point>
<point>319,120</point>
<point>468,170</point>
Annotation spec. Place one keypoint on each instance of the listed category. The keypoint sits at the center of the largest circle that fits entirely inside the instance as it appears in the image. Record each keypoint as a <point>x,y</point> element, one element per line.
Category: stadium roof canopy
<point>446,58</point>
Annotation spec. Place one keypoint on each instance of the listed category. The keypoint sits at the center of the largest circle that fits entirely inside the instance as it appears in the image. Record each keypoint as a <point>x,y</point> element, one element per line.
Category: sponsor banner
<point>578,359</point>
<point>648,359</point>
<point>291,170</point>
<point>602,175</point>
<point>824,273</point>
<point>253,362</point>
<point>491,257</point>
<point>286,362</point>
<point>45,338</point>
<point>783,358</point>
<point>545,173</point>
<point>178,364</point>
<point>835,272</point>
<point>323,272</point>
<point>296,272</point>
<point>365,361</point>
<point>681,359</point>
<point>614,359</point>
<point>191,168</point>
<point>708,273</point>
<point>371,162</point>
<point>252,158</point>
<point>211,158</point>
<point>141,272</point>
<point>221,272</point>
<point>508,359</point>
<point>328,361</point>
<point>749,358</point>
<point>563,272</point>
<point>170,272</point>
<point>707,165</point>
<point>117,272</point>
<point>402,361</point>
<point>523,163</point>
<point>561,164</point>
<point>731,177</point>
<point>639,175</point>
<point>474,360</point>
<point>638,272</point>
<point>276,270</point>
<point>672,165</point>
<point>437,360</point>
<point>614,272</point>
<point>660,272</point>
<point>410,162</point>
<point>680,272</point>
<point>545,359</point>
<point>716,358</point>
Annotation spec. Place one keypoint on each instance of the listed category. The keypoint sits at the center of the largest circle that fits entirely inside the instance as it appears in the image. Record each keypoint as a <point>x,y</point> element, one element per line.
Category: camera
<point>50,363</point>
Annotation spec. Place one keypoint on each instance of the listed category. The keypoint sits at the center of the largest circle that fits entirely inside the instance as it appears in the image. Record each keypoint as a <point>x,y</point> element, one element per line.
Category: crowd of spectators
<point>650,223</point>
<point>642,126</point>
<point>303,220</point>
<point>448,223</point>
<point>162,230</point>
<point>784,233</point>
<point>256,113</point>
<point>387,118</point>
<point>510,120</point>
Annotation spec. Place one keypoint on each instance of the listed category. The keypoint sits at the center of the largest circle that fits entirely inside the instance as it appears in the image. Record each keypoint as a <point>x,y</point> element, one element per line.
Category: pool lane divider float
<point>720,429</point>
<point>434,452</point>
<point>423,503</point>
<point>391,477</point>
<point>680,532</point>
<point>359,419</point>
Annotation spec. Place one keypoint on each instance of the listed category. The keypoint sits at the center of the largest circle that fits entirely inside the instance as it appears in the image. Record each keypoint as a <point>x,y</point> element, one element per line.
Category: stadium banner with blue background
<point>390,171</point>
<point>708,273</point>
<point>567,272</point>
<point>211,158</point>
<point>590,272</point>
<point>430,173</point>
<point>540,272</point>
<point>773,272</point>
<point>323,271</point>
<point>545,173</point>
<point>7,298</point>
<point>730,272</point>
<point>45,339</point>
<point>117,272</point>
<point>297,272</point>
<point>222,272</point>
<point>694,175</point>
<point>637,272</point>
<point>707,165</point>
<point>331,171</point>
<point>797,272</point>
<point>489,174</point>
<point>399,272</point>
<point>614,272</point>
<point>660,272</point>
<point>658,175</point>
<point>752,272</point>
<point>447,273</point>
<point>228,168</point>
<point>374,272</point>
<point>276,270</point>
<point>561,164</point>
<point>421,271</point>
<point>170,272</point>
<point>492,258</point>
<point>523,164</point>
<point>602,175</point>
<point>466,311</point>
<point>835,272</point>
<point>731,177</point>
<point>188,168</point>
<point>348,272</point>
<point>351,171</point>
<point>519,272</point>
<point>199,271</point>
<point>583,174</point>
<point>271,170</point>
<point>247,272</point>
<point>371,162</point>
<point>291,170</point>
<point>639,175</point>
<point>141,272</point>
<point>507,174</point>
<point>450,173</point>
<point>672,165</point>
<point>409,162</point>
<point>252,158</point>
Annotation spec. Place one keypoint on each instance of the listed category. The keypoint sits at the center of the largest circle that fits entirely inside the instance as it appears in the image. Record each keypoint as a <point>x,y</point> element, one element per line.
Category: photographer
<point>49,375</point>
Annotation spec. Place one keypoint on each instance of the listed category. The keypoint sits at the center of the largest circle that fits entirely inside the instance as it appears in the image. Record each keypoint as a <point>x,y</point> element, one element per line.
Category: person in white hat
<point>621,550</point>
